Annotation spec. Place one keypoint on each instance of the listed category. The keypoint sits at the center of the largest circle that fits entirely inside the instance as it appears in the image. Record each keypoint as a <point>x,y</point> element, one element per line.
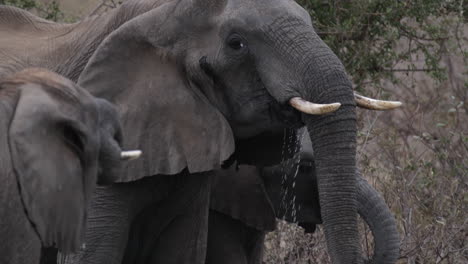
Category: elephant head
<point>59,138</point>
<point>191,77</point>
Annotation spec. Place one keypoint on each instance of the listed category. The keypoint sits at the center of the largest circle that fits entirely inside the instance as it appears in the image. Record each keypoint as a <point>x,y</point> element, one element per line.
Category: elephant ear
<point>54,156</point>
<point>239,192</point>
<point>163,114</point>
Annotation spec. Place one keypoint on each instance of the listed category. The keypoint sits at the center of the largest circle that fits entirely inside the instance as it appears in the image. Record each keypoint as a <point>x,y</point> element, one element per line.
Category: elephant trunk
<point>304,66</point>
<point>333,137</point>
<point>377,215</point>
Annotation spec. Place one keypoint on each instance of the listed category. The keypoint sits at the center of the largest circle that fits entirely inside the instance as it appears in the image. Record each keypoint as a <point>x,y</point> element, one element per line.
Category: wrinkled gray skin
<point>236,232</point>
<point>246,200</point>
<point>56,138</point>
<point>238,223</point>
<point>190,78</point>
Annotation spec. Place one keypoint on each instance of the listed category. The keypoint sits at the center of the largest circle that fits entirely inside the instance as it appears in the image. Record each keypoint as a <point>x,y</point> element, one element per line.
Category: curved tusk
<point>311,108</point>
<point>130,155</point>
<point>373,104</point>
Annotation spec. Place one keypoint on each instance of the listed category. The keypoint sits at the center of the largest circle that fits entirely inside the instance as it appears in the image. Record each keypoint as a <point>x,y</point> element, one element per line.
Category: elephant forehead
<point>57,86</point>
<point>257,13</point>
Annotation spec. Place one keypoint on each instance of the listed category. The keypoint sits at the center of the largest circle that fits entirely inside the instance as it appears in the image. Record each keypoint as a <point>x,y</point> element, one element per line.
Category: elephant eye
<point>236,42</point>
<point>74,139</point>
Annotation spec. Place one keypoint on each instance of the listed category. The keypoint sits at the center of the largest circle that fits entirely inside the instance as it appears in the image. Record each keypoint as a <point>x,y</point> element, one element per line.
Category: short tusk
<point>373,104</point>
<point>130,155</point>
<point>311,108</point>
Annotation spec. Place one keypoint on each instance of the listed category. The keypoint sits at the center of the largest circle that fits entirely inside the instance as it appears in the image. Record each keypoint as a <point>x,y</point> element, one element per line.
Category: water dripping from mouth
<point>283,174</point>
<point>289,169</point>
<point>297,161</point>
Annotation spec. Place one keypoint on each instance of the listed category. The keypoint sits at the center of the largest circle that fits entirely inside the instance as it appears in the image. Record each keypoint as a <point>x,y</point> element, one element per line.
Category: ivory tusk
<point>130,155</point>
<point>311,108</point>
<point>373,104</point>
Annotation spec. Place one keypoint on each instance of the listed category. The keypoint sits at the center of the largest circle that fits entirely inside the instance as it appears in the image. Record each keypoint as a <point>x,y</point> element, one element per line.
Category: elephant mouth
<point>286,114</point>
<point>269,114</point>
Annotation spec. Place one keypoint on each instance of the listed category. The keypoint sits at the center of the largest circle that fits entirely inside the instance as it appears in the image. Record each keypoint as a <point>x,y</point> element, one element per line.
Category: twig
<point>97,8</point>
<point>410,70</point>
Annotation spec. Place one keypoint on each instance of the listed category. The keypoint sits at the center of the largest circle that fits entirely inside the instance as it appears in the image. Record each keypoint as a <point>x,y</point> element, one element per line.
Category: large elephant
<point>57,142</point>
<point>192,79</point>
<point>246,200</point>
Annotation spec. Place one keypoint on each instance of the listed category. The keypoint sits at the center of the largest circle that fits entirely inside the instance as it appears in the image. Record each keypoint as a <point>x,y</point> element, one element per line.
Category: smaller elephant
<point>57,142</point>
<point>245,201</point>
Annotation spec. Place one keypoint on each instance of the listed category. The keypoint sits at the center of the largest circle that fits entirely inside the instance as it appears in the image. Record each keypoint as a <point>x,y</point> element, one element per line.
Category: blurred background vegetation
<point>48,10</point>
<point>414,51</point>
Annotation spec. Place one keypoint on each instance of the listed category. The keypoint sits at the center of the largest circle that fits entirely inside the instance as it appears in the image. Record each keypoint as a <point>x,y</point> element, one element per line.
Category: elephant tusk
<point>130,155</point>
<point>373,104</point>
<point>311,108</point>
